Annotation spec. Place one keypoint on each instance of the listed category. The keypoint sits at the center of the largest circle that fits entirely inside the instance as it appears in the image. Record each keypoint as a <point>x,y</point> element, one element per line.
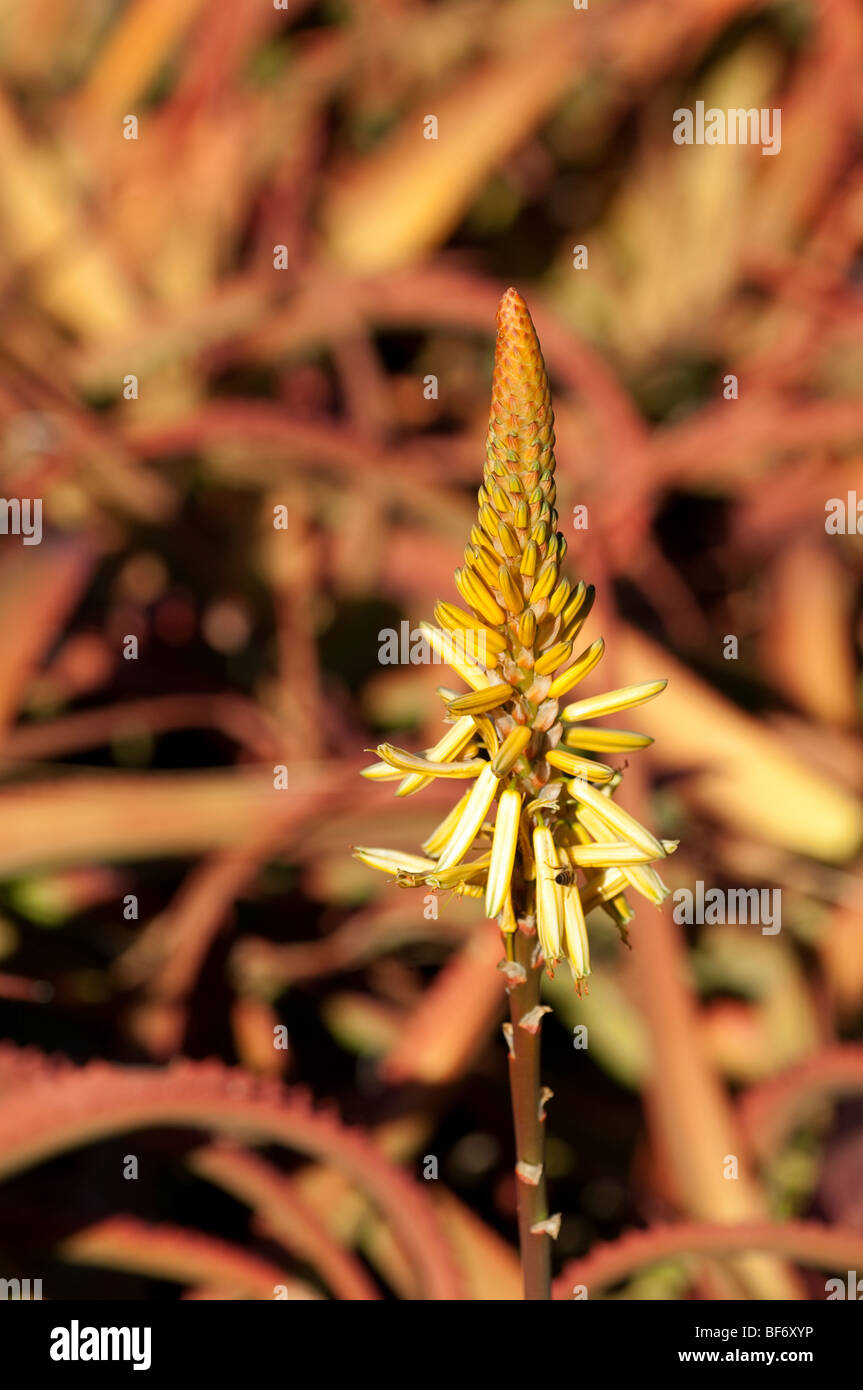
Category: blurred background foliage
<point>304,387</point>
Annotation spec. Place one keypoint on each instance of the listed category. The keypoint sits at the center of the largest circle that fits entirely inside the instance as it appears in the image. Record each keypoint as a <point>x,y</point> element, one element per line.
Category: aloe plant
<point>559,845</point>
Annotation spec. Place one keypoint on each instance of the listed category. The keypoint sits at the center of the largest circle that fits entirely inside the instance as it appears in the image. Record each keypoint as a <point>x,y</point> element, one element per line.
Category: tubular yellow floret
<point>391,861</point>
<point>471,819</point>
<point>503,849</point>
<point>508,540</point>
<point>545,581</point>
<point>549,895</point>
<point>441,833</point>
<point>477,636</point>
<point>608,854</point>
<point>381,772</point>
<point>475,592</point>
<point>559,597</point>
<point>446,649</point>
<point>510,592</point>
<point>403,761</point>
<point>454,741</point>
<point>529,559</point>
<point>613,700</point>
<point>554,657</point>
<point>575,933</point>
<point>479,701</point>
<point>567,762</point>
<point>458,873</point>
<point>615,818</point>
<point>511,750</point>
<point>527,628</point>
<point>581,667</point>
<point>605,740</point>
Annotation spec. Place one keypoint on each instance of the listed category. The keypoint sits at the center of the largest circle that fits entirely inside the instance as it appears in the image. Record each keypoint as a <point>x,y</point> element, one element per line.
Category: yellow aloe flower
<point>558,845</point>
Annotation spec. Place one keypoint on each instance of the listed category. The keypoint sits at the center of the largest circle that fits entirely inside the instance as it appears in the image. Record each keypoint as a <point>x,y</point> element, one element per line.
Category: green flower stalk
<point>557,845</point>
